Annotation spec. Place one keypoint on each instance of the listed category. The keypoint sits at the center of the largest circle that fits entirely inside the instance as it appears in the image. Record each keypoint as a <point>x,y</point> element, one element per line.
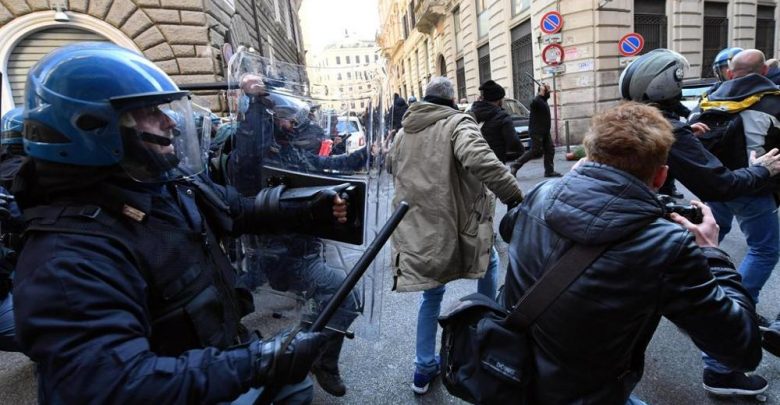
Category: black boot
<point>326,370</point>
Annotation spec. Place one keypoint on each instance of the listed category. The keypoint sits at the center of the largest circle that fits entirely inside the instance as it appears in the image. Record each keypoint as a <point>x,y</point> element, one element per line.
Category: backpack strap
<point>552,283</point>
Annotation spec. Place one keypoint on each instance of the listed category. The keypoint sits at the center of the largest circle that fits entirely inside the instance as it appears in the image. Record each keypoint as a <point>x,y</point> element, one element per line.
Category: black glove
<point>278,363</point>
<point>279,206</point>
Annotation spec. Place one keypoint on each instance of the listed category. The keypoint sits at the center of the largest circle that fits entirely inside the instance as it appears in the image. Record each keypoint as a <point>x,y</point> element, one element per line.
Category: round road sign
<point>631,44</point>
<point>551,22</point>
<point>552,54</point>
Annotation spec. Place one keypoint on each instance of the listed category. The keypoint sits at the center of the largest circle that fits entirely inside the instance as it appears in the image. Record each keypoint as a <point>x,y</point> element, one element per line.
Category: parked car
<point>520,116</point>
<point>352,133</point>
<point>693,90</point>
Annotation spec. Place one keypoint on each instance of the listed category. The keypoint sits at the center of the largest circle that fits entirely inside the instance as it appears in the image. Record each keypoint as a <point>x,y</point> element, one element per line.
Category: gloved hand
<point>303,206</point>
<point>277,364</point>
<point>327,206</point>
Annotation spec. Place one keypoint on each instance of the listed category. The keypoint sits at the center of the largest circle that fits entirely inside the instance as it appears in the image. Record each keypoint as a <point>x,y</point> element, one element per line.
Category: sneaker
<point>733,383</point>
<point>423,381</point>
<point>553,174</point>
<point>330,381</point>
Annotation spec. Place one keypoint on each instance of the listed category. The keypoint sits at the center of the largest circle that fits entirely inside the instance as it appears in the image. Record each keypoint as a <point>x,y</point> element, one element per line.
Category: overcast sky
<point>324,21</point>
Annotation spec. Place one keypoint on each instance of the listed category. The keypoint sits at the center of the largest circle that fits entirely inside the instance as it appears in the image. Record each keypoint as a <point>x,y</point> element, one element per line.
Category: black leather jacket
<point>590,343</point>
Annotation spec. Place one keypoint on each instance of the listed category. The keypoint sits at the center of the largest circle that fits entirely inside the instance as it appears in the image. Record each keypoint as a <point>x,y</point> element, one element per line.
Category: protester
<point>589,344</point>
<point>539,124</point>
<point>445,170</point>
<point>497,127</point>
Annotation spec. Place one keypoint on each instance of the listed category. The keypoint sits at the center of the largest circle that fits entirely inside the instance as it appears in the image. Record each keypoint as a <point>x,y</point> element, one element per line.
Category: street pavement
<point>379,370</point>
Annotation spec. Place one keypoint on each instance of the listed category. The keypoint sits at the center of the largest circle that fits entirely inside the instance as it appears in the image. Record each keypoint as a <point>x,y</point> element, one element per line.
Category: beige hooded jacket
<point>445,170</point>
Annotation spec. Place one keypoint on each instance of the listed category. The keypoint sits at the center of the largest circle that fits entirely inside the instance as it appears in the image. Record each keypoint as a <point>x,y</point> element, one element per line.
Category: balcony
<point>428,13</point>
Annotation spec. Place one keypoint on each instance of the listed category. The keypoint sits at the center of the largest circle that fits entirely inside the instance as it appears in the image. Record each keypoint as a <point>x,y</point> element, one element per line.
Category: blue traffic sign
<point>631,44</point>
<point>551,23</point>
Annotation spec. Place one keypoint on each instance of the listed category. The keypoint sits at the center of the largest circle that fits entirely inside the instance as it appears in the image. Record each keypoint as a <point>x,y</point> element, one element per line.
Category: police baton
<point>532,78</point>
<point>269,393</point>
<point>359,268</point>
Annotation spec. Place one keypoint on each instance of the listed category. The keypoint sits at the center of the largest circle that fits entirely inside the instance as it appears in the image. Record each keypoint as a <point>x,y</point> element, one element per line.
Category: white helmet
<point>654,77</point>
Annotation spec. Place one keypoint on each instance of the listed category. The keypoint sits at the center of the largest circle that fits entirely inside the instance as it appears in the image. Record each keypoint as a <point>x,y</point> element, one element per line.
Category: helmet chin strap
<point>156,139</point>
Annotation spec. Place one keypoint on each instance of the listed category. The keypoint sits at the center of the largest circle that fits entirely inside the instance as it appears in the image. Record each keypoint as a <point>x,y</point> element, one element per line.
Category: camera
<point>690,212</point>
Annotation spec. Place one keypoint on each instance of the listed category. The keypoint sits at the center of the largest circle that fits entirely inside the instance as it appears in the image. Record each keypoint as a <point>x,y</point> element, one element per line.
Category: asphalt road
<point>379,370</point>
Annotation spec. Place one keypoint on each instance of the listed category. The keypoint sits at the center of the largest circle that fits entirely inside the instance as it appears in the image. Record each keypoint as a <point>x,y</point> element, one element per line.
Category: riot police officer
<point>122,293</point>
<point>271,134</point>
<point>10,145</point>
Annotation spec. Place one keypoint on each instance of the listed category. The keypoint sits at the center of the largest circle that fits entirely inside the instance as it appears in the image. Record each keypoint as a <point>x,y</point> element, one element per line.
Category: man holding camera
<point>589,344</point>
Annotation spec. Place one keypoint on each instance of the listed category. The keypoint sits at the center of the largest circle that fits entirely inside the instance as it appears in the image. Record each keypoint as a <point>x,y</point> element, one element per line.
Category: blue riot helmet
<point>97,104</point>
<point>12,127</point>
<point>721,62</point>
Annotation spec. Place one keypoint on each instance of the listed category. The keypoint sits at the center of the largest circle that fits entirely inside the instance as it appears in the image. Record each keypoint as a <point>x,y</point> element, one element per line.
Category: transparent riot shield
<point>293,129</point>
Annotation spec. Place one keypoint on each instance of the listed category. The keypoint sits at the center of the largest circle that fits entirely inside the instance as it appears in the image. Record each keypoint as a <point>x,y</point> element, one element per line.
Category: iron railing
<point>522,63</point>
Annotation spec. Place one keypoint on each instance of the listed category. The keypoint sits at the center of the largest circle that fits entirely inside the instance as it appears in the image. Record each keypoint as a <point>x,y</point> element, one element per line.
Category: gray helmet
<point>654,77</point>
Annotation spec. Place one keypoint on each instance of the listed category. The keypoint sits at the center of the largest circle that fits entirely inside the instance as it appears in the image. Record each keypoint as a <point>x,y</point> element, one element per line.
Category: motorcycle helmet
<point>654,77</point>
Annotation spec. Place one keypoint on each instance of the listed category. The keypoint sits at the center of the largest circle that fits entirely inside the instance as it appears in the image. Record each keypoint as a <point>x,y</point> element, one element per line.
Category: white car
<point>352,132</point>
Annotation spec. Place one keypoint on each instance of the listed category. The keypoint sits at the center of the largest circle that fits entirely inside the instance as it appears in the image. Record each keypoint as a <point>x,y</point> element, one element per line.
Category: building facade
<point>344,73</point>
<point>184,38</point>
<point>471,41</point>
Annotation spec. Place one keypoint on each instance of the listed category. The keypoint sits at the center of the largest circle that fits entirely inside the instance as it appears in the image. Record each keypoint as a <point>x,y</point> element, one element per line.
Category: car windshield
<point>693,91</point>
<point>515,108</point>
<point>347,126</point>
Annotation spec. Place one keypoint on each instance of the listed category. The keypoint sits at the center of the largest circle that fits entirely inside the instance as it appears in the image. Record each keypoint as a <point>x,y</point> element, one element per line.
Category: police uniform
<point>122,293</point>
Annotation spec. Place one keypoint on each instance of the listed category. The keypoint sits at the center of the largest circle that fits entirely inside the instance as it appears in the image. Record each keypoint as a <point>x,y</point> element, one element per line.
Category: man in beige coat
<point>445,170</point>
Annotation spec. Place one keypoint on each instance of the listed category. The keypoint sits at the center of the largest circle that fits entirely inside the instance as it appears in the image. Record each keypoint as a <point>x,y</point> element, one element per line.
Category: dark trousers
<point>541,145</point>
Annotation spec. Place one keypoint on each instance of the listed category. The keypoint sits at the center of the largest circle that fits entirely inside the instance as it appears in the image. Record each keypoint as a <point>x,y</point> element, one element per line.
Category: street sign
<point>555,69</point>
<point>551,22</point>
<point>552,54</point>
<point>631,44</point>
<point>552,39</point>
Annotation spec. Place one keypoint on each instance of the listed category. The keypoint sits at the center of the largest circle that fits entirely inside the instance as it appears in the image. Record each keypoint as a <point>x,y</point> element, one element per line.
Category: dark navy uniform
<point>146,256</point>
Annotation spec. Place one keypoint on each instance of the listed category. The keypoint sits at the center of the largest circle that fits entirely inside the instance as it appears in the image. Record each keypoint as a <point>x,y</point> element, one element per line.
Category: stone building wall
<point>184,37</point>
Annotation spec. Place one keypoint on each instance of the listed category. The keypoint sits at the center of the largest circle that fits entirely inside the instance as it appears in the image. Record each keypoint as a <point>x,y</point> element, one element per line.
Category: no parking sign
<point>631,44</point>
<point>551,22</point>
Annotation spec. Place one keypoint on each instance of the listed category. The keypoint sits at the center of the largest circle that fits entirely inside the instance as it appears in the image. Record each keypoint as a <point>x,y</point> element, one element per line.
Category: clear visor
<point>11,125</point>
<point>161,142</point>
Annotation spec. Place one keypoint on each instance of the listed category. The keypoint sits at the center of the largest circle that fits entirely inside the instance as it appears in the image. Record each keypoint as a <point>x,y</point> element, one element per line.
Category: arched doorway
<point>442,66</point>
<point>34,47</point>
<point>28,38</point>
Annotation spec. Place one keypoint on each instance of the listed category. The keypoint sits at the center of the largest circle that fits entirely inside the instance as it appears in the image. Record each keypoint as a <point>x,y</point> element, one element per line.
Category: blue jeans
<point>7,331</point>
<point>757,218</point>
<point>430,307</point>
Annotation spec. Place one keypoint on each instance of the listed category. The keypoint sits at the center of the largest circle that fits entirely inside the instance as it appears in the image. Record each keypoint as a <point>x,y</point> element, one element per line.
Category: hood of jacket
<point>484,111</point>
<point>598,204</point>
<point>739,94</point>
<point>423,114</point>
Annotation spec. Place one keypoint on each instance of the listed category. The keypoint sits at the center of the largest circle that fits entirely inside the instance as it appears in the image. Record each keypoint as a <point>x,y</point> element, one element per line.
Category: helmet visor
<point>161,142</point>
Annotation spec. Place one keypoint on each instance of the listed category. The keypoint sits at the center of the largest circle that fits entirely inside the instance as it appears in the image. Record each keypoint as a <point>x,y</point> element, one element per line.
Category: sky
<point>324,21</point>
